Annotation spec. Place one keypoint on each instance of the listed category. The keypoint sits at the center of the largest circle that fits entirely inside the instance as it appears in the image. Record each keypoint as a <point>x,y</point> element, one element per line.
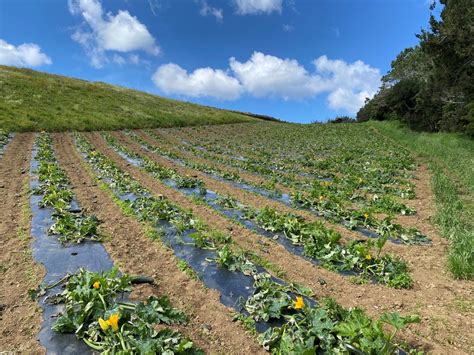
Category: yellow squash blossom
<point>113,321</point>
<point>299,303</point>
<point>104,324</point>
<point>368,257</point>
<point>96,285</point>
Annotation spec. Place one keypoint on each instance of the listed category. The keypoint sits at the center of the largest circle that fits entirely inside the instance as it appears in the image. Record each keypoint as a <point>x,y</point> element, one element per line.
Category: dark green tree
<point>431,86</point>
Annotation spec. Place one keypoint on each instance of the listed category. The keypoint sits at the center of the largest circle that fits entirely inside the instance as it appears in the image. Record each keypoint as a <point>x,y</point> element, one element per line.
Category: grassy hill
<point>33,101</point>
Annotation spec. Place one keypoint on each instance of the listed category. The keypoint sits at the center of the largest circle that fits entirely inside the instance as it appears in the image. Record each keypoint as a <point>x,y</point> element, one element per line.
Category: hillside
<point>34,101</point>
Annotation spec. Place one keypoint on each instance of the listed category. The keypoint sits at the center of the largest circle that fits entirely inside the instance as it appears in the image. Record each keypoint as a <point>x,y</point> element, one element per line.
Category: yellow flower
<point>366,215</point>
<point>96,285</point>
<point>104,324</point>
<point>368,257</point>
<point>113,321</point>
<point>299,303</point>
<point>321,198</point>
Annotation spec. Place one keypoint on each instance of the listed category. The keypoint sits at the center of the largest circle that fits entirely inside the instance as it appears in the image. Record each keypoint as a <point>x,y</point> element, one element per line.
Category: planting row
<point>323,200</point>
<point>380,172</point>
<point>312,240</point>
<point>282,312</point>
<point>5,137</point>
<point>79,303</point>
<point>71,224</point>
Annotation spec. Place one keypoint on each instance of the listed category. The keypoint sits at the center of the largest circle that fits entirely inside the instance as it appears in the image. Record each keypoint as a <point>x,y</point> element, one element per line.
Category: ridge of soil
<point>20,316</point>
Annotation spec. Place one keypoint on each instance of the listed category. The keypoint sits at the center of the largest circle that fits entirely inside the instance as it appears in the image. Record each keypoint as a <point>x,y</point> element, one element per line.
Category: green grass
<point>35,101</point>
<point>451,161</point>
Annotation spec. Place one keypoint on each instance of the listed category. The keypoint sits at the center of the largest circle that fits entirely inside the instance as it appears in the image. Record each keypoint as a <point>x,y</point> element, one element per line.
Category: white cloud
<point>288,28</point>
<point>207,10</point>
<point>346,85</point>
<point>251,7</point>
<point>265,75</point>
<point>106,32</point>
<point>24,55</point>
<point>203,82</point>
<point>349,84</point>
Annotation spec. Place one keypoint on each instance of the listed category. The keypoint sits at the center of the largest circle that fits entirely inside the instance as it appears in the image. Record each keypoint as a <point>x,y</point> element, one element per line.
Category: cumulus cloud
<point>107,32</point>
<point>203,82</point>
<point>207,10</point>
<point>349,84</point>
<point>346,85</point>
<point>24,55</point>
<point>265,75</point>
<point>251,7</point>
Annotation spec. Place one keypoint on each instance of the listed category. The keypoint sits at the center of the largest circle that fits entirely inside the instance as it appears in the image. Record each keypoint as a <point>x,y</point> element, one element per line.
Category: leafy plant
<point>94,313</point>
<point>54,186</point>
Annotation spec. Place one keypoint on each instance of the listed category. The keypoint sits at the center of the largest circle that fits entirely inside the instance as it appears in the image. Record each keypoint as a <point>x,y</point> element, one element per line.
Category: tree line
<point>430,87</point>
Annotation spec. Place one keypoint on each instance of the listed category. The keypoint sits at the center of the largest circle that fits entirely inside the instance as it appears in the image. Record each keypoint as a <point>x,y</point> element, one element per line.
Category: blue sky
<point>300,60</point>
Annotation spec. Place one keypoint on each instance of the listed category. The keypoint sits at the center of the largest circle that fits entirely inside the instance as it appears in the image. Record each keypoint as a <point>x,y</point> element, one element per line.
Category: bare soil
<point>20,317</point>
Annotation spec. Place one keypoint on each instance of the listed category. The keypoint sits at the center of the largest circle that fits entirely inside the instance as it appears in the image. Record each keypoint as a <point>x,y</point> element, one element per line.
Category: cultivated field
<point>257,237</point>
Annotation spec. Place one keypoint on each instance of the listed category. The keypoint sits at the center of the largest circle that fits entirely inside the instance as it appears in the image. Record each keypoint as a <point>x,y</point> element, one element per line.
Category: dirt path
<point>20,317</point>
<point>444,304</point>
<point>211,325</point>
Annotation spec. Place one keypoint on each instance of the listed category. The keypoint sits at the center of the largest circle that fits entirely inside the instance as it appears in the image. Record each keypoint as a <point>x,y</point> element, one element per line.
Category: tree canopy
<point>431,86</point>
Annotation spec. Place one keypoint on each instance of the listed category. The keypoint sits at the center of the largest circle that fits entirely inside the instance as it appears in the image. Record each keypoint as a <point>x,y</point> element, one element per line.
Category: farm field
<point>248,237</point>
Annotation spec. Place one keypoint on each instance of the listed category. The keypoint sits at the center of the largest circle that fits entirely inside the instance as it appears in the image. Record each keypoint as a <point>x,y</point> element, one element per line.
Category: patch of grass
<point>34,101</point>
<point>451,159</point>
<point>186,268</point>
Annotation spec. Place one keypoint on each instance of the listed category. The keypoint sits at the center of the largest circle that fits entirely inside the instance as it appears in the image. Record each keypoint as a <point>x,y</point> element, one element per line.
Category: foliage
<point>54,186</point>
<point>307,326</point>
<point>430,86</point>
<point>322,243</point>
<point>4,139</point>
<point>94,313</point>
<point>330,328</point>
<point>374,180</point>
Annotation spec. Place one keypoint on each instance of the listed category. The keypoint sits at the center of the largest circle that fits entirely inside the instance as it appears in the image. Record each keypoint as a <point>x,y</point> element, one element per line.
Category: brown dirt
<point>211,325</point>
<point>444,304</point>
<point>20,317</point>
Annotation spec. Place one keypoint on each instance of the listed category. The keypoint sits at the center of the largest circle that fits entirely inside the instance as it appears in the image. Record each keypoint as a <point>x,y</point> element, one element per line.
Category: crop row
<point>71,225</point>
<point>94,307</point>
<point>318,242</point>
<point>381,173</point>
<point>4,139</point>
<point>272,300</point>
<point>326,199</point>
<point>96,313</point>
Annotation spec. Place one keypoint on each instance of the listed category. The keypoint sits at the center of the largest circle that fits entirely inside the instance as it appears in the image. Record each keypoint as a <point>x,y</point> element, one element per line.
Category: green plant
<point>107,325</point>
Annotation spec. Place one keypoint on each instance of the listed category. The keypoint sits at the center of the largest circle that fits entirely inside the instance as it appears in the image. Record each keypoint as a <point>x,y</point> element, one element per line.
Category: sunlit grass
<point>35,101</point>
<point>451,161</point>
